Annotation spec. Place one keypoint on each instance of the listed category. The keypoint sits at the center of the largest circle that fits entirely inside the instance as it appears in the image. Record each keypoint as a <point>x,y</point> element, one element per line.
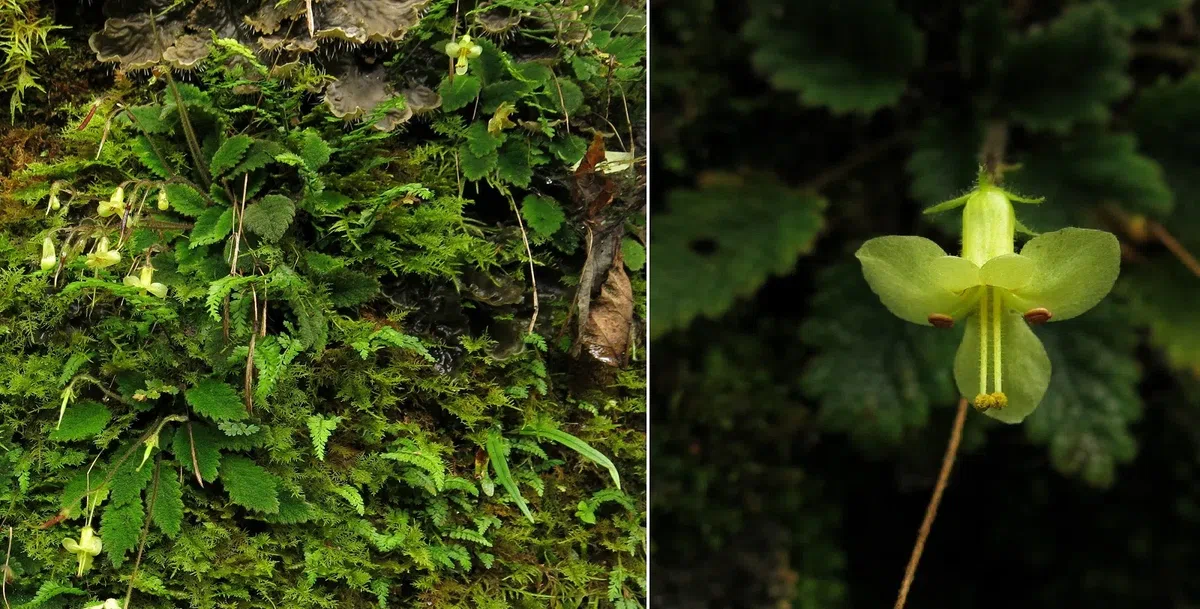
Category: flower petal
<point>1010,271</point>
<point>954,273</point>
<point>1074,269</point>
<point>1025,367</point>
<point>900,272</point>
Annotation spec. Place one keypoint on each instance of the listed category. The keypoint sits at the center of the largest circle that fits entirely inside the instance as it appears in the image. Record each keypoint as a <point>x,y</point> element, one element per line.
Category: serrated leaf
<point>716,245</point>
<point>1077,173</point>
<point>145,153</point>
<point>249,485</point>
<point>543,215</point>
<point>167,512</point>
<point>567,95</point>
<point>270,217</point>
<point>818,49</point>
<point>186,200</point>
<point>120,527</point>
<point>260,154</point>
<point>876,376</point>
<point>212,226</point>
<point>314,150</point>
<point>1093,397</point>
<point>569,148</point>
<point>207,448</point>
<point>83,419</point>
<point>459,92</point>
<point>480,141</point>
<point>229,154</point>
<point>1087,72</point>
<point>128,483</point>
<point>476,167</point>
<point>504,91</point>
<point>216,400</point>
<point>1163,296</point>
<point>515,164</point>
<point>150,119</point>
<point>351,288</point>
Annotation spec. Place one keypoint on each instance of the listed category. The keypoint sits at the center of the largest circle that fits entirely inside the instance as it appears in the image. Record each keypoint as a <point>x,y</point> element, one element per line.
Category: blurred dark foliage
<point>798,428</point>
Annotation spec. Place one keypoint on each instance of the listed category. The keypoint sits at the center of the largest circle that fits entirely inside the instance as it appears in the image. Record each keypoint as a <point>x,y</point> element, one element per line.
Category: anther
<point>983,402</point>
<point>1037,316</point>
<point>939,320</point>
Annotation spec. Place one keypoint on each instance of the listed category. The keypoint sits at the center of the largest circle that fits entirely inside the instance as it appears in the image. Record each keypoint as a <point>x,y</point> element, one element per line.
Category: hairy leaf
<point>249,485</point>
<point>216,400</point>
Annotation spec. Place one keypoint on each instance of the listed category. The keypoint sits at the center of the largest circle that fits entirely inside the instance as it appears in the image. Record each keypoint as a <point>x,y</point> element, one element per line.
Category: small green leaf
<point>1025,367</point>
<point>1073,270</point>
<point>216,400</point>
<point>249,485</point>
<point>1086,75</point>
<point>717,245</point>
<point>270,217</point>
<point>145,153</point>
<point>876,377</point>
<point>459,92</point>
<point>186,200</point>
<point>634,254</point>
<point>480,141</point>
<point>1093,398</point>
<point>229,154</point>
<point>476,167</point>
<point>212,226</point>
<point>319,430</point>
<point>167,511</point>
<point>83,419</point>
<point>569,148</point>
<point>207,449</point>
<point>818,49</point>
<point>314,150</point>
<point>515,164</point>
<point>120,527</point>
<point>543,215</point>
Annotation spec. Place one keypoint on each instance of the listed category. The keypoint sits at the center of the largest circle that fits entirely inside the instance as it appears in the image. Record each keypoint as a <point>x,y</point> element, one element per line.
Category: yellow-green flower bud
<point>49,256</point>
<point>163,204</point>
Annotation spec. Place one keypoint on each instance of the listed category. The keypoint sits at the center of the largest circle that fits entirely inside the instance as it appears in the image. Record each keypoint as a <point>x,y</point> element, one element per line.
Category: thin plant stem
<point>931,510</point>
<point>1160,232</point>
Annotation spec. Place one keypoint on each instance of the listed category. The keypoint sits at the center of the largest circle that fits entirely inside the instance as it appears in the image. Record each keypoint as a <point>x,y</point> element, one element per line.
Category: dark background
<point>798,428</point>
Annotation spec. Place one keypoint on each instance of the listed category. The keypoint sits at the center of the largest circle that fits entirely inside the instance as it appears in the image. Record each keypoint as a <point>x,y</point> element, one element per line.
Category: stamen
<point>983,335</point>
<point>996,336</point>
<point>1037,316</point>
<point>941,320</point>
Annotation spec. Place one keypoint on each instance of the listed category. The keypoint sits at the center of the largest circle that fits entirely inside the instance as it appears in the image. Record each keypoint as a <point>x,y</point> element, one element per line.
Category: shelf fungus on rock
<point>1001,365</point>
<point>356,95</point>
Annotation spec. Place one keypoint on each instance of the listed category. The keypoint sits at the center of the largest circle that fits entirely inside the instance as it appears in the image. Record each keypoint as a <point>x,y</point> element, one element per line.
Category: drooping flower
<point>1001,365</point>
<point>163,203</point>
<point>145,281</point>
<point>115,205</point>
<point>49,255</point>
<point>102,257</point>
<point>463,49</point>
<point>86,548</point>
<point>500,120</point>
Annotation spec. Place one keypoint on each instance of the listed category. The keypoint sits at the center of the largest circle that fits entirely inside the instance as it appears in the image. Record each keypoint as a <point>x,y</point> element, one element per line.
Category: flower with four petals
<point>462,50</point>
<point>145,281</point>
<point>86,548</point>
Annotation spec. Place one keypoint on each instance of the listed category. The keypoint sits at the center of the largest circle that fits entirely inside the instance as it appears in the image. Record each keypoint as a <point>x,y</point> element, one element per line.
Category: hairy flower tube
<point>145,281</point>
<point>463,49</point>
<point>102,257</point>
<point>86,548</point>
<point>115,205</point>
<point>1001,365</point>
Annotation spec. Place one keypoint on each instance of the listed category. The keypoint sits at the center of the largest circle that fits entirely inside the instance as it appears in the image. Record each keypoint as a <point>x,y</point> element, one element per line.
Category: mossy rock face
<point>319,354</point>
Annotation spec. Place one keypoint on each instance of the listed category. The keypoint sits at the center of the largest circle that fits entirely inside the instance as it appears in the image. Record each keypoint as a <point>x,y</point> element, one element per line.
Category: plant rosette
<point>1001,365</point>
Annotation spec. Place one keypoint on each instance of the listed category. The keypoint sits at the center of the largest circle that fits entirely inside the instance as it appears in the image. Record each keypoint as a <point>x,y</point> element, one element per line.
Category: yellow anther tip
<point>999,400</point>
<point>983,402</point>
